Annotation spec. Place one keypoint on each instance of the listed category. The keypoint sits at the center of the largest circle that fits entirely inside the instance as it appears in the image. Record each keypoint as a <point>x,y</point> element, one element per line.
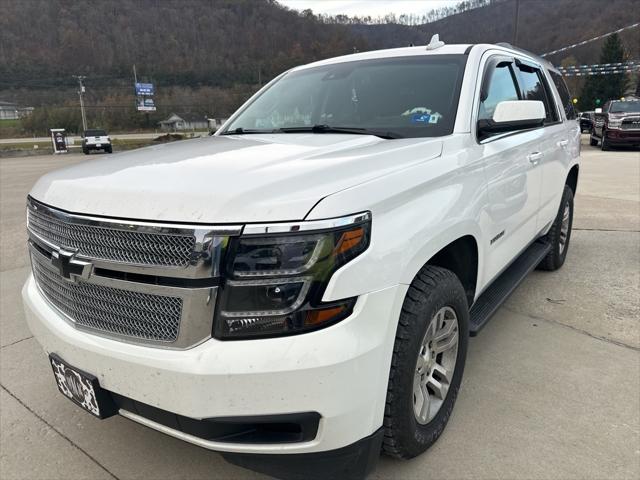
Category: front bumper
<point>341,372</point>
<point>622,137</point>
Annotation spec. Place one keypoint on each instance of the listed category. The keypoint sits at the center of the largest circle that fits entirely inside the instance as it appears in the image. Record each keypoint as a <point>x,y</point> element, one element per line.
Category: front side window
<point>501,88</point>
<point>407,96</point>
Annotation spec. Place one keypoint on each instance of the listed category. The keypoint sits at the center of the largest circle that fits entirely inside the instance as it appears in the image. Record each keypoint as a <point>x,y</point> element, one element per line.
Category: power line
<point>569,47</point>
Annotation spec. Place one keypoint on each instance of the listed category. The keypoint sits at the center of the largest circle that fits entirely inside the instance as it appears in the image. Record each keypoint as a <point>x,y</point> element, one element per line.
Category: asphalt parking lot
<point>551,389</point>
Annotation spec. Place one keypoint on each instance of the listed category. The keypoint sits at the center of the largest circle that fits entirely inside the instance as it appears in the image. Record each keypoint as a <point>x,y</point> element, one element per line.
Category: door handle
<point>535,157</point>
<point>563,143</point>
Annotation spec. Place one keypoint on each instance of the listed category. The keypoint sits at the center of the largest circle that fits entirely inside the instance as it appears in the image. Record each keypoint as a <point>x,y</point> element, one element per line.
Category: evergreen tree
<point>605,87</point>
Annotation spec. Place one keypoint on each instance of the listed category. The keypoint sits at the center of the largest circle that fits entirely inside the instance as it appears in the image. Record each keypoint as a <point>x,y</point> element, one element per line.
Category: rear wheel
<point>109,149</point>
<point>85,151</point>
<point>560,233</point>
<point>427,364</point>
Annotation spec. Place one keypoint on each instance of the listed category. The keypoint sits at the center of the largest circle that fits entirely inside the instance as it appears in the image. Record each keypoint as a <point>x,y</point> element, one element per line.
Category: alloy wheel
<point>435,365</point>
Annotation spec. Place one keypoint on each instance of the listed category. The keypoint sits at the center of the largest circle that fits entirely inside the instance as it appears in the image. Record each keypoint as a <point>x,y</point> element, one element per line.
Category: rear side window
<point>532,86</point>
<point>501,88</point>
<point>565,96</point>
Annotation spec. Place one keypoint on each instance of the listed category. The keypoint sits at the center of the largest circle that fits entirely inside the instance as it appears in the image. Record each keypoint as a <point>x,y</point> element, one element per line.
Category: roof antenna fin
<point>435,42</point>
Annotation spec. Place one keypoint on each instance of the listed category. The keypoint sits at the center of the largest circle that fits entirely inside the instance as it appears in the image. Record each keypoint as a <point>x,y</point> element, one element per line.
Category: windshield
<point>95,133</point>
<point>403,97</point>
<point>618,107</point>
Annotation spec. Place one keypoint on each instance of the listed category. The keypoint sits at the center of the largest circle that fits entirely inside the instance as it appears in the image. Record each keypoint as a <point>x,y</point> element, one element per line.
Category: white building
<point>11,111</point>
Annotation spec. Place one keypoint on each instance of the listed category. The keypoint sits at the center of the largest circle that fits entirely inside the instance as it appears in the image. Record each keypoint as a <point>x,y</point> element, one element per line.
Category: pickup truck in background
<point>616,124</point>
<point>297,291</point>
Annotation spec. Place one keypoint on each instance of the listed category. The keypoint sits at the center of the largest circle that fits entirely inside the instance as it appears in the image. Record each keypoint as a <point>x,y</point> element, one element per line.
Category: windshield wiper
<point>329,129</point>
<point>244,131</point>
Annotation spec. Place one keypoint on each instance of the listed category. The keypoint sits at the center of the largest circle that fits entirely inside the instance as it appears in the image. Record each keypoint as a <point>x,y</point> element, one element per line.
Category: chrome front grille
<point>112,244</point>
<point>631,123</point>
<point>134,281</point>
<point>110,310</point>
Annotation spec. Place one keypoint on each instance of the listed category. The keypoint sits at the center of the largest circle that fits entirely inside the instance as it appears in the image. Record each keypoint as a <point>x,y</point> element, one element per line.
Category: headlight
<point>615,123</point>
<point>274,283</point>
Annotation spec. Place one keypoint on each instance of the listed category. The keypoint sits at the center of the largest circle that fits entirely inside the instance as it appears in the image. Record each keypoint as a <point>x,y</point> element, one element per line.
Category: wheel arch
<point>460,254</point>
<point>572,178</point>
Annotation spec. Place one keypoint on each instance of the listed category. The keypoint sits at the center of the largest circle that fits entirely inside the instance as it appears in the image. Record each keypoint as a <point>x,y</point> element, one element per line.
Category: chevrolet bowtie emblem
<point>70,267</point>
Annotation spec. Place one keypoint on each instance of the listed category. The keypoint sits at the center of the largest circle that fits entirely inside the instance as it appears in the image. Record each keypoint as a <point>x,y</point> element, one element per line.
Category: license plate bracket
<point>82,388</point>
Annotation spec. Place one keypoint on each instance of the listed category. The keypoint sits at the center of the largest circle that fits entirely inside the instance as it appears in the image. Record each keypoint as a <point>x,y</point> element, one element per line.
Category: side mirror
<point>598,110</point>
<point>513,115</point>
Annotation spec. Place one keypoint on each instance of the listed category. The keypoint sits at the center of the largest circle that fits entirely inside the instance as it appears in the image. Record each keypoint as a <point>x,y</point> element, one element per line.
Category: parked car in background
<point>617,124</point>
<point>96,139</point>
<point>586,121</point>
<point>297,291</point>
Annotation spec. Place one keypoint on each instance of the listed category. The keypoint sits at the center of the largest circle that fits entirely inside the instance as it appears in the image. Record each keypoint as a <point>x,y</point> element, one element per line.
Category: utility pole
<point>80,94</point>
<point>515,24</point>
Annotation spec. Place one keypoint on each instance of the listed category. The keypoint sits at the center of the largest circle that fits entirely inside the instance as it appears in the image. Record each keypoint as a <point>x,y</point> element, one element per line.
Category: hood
<point>228,179</point>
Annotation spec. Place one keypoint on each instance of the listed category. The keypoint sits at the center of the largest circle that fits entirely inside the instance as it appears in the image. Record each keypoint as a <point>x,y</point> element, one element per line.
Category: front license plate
<point>82,388</point>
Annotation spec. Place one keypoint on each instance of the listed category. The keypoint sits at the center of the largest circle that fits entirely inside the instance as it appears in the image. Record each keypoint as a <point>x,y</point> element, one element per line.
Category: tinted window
<point>532,87</point>
<point>409,96</point>
<point>565,96</point>
<point>501,88</point>
<point>95,133</point>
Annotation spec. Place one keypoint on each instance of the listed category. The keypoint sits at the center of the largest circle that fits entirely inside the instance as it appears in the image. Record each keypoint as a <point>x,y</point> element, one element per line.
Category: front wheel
<point>604,145</point>
<point>560,233</point>
<point>428,360</point>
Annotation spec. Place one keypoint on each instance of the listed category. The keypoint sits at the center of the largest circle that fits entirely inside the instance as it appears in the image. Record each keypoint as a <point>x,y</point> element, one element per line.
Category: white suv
<point>297,291</point>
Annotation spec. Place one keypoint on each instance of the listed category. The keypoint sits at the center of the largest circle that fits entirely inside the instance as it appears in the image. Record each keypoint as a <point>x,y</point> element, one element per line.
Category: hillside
<point>180,42</point>
<point>543,26</point>
<point>207,57</point>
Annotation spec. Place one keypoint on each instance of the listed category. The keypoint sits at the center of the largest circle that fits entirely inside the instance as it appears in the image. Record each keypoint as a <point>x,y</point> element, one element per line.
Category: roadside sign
<point>59,140</point>
<point>144,94</point>
<point>145,104</point>
<point>144,89</point>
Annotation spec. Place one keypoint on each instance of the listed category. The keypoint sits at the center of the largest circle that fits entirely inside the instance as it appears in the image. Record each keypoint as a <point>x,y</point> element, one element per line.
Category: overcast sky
<point>373,8</point>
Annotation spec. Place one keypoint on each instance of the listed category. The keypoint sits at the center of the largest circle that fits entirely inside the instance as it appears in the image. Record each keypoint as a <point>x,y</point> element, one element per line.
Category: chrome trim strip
<point>221,446</point>
<point>204,261</point>
<point>305,225</point>
<point>196,322</point>
<point>139,226</point>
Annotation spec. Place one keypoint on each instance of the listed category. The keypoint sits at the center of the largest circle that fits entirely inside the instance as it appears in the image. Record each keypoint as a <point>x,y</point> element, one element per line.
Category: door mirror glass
<point>513,115</point>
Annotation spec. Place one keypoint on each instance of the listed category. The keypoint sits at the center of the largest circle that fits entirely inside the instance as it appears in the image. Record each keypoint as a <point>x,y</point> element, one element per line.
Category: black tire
<point>432,289</point>
<point>85,151</point>
<point>109,149</point>
<point>593,141</point>
<point>604,145</point>
<point>557,255</point>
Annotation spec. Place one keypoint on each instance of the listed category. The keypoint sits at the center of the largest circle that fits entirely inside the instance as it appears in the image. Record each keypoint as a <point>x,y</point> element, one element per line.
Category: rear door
<point>551,147</point>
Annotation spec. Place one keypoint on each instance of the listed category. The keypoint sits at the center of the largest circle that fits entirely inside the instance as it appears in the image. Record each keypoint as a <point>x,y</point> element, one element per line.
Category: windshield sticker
<point>423,115</point>
<point>435,117</point>
<point>416,110</point>
<point>420,118</point>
